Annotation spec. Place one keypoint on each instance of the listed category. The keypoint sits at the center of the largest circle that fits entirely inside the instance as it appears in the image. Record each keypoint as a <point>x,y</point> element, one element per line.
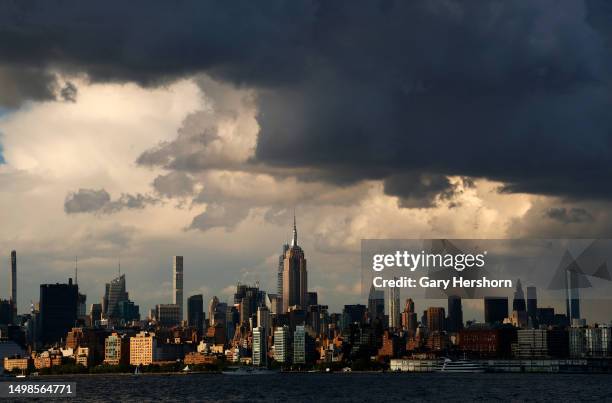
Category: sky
<point>130,133</point>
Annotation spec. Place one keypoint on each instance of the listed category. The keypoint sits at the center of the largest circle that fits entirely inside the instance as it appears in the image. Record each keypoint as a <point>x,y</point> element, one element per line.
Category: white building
<point>282,344</point>
<point>260,346</point>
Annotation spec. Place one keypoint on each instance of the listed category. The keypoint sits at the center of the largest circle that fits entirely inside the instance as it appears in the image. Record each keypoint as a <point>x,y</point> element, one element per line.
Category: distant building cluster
<point>287,328</point>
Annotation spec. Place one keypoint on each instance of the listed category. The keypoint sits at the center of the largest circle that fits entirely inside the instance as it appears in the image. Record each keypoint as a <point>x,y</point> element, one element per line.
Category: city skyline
<point>116,292</point>
<point>141,154</point>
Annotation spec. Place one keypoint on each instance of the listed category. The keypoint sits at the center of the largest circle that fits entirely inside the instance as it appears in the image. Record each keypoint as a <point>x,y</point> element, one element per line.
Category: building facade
<point>177,284</point>
<point>58,310</point>
<point>143,349</point>
<point>260,346</point>
<point>282,345</point>
<point>295,275</point>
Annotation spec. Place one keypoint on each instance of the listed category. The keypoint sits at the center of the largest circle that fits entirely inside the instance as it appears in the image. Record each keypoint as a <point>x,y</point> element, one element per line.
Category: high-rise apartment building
<point>282,344</point>
<point>177,284</point>
<point>260,346</point>
<point>303,346</point>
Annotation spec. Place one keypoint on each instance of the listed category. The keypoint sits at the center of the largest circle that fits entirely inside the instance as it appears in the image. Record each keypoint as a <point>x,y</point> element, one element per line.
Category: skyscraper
<point>282,345</point>
<point>409,317</point>
<point>394,307</point>
<point>573,300</point>
<point>495,309</point>
<point>436,319</point>
<point>167,315</point>
<point>295,276</point>
<point>455,314</point>
<point>177,283</point>
<point>14,285</point>
<point>518,302</point>
<point>248,298</point>
<point>281,268</point>
<point>114,294</point>
<point>532,305</point>
<point>260,346</point>
<point>376,303</point>
<point>264,320</point>
<point>195,312</point>
<point>58,310</point>
<point>212,309</point>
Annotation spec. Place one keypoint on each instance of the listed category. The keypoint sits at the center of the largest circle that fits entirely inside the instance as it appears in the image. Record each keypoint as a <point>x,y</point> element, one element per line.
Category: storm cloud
<point>515,92</point>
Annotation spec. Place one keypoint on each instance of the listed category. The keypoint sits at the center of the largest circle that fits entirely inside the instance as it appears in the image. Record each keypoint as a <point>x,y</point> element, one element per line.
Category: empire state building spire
<point>294,240</point>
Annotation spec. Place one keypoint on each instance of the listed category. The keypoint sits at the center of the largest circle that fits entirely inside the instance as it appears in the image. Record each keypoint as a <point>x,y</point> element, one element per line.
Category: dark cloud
<point>23,83</point>
<point>69,92</point>
<point>99,202</point>
<point>86,201</point>
<point>517,92</point>
<point>569,216</point>
<point>420,190</point>
<point>174,184</point>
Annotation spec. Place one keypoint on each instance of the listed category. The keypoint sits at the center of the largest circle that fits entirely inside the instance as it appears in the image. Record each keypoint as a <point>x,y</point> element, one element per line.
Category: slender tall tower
<point>177,283</point>
<point>295,276</point>
<point>394,307</point>
<point>14,283</point>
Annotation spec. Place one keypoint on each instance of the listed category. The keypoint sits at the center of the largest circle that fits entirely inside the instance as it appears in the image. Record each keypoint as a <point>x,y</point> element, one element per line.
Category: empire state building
<point>295,276</point>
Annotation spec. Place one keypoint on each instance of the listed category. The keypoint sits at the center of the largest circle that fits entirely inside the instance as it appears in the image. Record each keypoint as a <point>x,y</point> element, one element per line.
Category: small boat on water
<point>248,371</point>
<point>459,366</point>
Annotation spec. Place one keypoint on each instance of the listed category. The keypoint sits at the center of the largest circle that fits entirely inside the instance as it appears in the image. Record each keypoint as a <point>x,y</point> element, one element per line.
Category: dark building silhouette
<point>58,310</point>
<point>353,314</point>
<point>518,302</point>
<point>376,303</point>
<point>195,312</point>
<point>455,314</point>
<point>546,316</point>
<point>313,298</point>
<point>6,312</point>
<point>573,303</point>
<point>495,309</point>
<point>13,297</point>
<point>114,293</point>
<point>532,305</point>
